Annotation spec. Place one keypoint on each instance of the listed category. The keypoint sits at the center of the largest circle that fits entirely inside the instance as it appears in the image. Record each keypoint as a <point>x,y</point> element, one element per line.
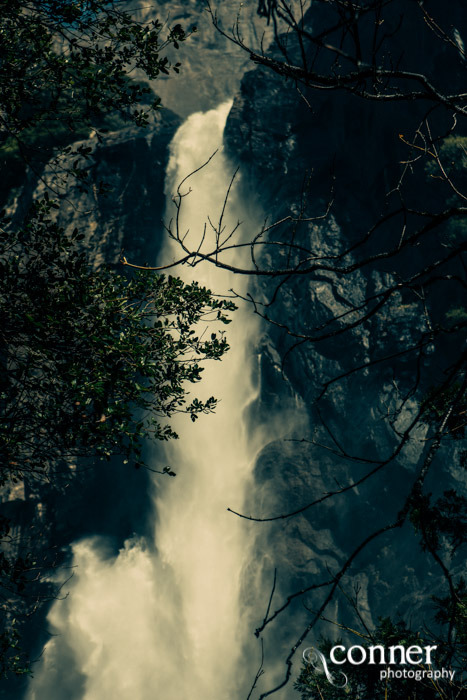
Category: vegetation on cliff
<point>93,362</point>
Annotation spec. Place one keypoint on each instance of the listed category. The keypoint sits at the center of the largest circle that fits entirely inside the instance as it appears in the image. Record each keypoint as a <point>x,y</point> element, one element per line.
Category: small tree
<point>67,66</point>
<point>92,362</point>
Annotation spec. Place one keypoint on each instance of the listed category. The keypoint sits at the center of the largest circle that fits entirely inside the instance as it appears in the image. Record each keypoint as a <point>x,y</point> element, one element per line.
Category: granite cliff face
<point>212,67</point>
<point>122,203</point>
<point>284,138</point>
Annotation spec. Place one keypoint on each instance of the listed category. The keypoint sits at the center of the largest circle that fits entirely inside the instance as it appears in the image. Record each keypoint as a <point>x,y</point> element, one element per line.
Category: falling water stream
<point>165,619</point>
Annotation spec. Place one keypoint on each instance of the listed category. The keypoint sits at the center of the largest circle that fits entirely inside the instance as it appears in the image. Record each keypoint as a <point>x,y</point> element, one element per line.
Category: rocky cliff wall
<point>212,67</point>
<point>347,150</point>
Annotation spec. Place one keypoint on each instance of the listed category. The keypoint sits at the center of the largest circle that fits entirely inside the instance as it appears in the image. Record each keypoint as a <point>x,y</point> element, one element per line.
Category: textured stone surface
<point>211,66</point>
<point>278,139</point>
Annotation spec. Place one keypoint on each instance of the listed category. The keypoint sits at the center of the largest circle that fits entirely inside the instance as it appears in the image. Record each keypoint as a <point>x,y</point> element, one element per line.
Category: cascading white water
<point>167,621</point>
<point>203,544</point>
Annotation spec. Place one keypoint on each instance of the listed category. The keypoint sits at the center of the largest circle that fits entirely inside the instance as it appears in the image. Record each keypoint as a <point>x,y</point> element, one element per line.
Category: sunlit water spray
<point>167,621</point>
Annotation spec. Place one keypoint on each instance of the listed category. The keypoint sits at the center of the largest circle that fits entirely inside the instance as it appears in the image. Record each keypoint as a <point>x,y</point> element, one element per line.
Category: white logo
<point>378,655</point>
<point>313,656</point>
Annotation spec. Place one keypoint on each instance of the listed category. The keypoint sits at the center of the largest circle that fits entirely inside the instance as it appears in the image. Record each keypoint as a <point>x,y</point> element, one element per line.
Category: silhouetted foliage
<point>92,362</point>
<point>82,351</point>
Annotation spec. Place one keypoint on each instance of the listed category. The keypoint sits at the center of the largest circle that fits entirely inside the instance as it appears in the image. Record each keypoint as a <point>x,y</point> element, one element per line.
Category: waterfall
<point>165,618</point>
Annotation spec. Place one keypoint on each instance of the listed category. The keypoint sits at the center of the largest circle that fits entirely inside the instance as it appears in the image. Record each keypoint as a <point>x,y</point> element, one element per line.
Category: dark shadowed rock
<point>280,136</point>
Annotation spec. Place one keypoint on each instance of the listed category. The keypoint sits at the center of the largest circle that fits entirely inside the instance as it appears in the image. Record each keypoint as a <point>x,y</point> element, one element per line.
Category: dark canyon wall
<point>339,147</point>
